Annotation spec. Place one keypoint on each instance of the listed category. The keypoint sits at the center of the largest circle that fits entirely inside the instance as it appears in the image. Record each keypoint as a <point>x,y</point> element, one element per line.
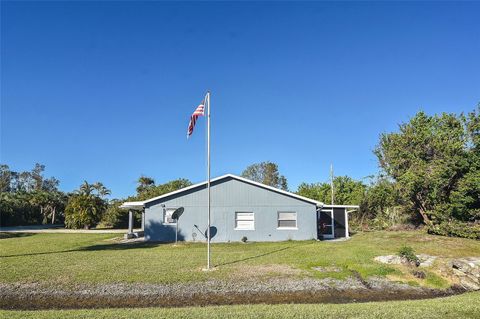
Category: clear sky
<point>103,91</point>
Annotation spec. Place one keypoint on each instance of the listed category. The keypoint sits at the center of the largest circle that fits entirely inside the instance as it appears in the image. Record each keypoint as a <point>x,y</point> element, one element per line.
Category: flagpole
<point>208,179</point>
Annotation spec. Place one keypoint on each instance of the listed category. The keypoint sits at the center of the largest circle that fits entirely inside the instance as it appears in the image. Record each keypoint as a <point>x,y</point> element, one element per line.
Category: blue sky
<point>103,91</point>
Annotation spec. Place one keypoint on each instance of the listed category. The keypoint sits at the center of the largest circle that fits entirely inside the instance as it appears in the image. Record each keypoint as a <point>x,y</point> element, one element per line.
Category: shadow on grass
<point>101,247</point>
<point>6,235</point>
<point>262,254</point>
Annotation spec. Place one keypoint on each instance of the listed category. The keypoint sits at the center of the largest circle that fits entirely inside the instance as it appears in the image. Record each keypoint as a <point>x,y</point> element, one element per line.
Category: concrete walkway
<point>60,230</point>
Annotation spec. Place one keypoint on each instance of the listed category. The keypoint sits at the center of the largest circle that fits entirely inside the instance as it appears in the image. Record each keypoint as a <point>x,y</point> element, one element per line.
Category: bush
<point>408,253</point>
<point>456,229</point>
<point>114,216</point>
<point>84,211</point>
<point>17,209</point>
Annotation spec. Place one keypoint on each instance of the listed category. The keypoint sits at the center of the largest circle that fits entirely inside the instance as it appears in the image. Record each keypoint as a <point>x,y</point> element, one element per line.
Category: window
<point>244,221</point>
<point>287,220</point>
<point>167,218</point>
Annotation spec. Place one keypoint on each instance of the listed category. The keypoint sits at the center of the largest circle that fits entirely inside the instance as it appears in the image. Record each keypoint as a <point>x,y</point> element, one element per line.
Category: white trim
<point>235,220</point>
<point>132,205</point>
<point>332,235</point>
<point>142,203</point>
<point>346,224</point>
<point>340,206</point>
<point>287,227</point>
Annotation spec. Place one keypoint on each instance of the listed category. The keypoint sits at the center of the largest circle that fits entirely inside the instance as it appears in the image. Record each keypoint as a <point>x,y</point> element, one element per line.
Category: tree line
<point>429,176</point>
<point>29,198</point>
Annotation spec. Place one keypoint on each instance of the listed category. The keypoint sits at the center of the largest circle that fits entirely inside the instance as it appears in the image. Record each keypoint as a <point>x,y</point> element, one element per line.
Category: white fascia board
<point>340,206</point>
<point>237,178</point>
<point>132,205</point>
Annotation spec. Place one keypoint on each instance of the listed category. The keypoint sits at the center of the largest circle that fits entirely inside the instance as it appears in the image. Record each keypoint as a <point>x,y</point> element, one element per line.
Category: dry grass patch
<point>265,271</point>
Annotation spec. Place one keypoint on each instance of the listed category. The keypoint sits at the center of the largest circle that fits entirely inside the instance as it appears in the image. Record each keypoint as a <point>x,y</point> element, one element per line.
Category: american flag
<point>199,111</point>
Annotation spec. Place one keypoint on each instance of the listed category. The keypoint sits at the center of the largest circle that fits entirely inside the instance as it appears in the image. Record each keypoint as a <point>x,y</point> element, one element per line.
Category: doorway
<point>326,224</point>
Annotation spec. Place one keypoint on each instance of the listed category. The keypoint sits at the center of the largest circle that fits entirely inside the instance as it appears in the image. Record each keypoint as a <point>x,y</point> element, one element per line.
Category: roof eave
<point>132,205</point>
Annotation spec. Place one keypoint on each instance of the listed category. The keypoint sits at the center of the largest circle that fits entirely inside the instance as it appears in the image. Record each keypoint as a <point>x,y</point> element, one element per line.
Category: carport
<point>132,208</point>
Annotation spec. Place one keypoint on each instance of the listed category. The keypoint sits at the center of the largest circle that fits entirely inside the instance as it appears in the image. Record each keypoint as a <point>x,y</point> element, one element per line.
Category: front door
<point>326,224</point>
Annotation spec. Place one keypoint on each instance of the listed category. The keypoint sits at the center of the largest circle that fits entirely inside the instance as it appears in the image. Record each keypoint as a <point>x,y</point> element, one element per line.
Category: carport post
<point>346,224</point>
<point>143,219</point>
<point>130,221</point>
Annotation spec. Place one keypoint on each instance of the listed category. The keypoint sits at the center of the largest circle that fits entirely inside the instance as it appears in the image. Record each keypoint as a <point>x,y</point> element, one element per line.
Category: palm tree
<point>144,183</point>
<point>85,189</point>
<point>101,190</point>
<point>86,207</point>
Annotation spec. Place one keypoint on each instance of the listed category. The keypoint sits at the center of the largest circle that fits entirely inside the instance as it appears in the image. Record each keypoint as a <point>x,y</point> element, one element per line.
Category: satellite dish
<point>177,213</point>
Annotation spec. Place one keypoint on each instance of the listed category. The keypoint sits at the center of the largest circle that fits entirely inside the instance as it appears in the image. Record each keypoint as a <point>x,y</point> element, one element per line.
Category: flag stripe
<point>199,111</point>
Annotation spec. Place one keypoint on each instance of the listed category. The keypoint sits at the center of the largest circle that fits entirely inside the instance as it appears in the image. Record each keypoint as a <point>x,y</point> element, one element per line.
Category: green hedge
<point>456,229</point>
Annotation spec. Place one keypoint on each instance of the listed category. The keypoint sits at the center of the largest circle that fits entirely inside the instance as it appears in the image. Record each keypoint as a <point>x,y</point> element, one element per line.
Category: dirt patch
<point>273,291</point>
<point>327,269</point>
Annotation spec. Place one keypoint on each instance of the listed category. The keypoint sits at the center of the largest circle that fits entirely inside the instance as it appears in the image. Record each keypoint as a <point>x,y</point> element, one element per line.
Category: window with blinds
<point>244,221</point>
<point>287,220</point>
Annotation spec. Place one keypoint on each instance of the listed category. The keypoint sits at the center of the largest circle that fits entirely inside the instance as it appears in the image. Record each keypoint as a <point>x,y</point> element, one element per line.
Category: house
<point>239,208</point>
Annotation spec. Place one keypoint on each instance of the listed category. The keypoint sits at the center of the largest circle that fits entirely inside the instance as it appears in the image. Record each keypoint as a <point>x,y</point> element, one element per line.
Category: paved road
<point>59,229</point>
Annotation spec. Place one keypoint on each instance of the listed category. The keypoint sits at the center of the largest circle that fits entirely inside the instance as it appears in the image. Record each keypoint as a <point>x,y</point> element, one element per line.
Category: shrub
<point>456,229</point>
<point>114,216</point>
<point>84,211</point>
<point>408,253</point>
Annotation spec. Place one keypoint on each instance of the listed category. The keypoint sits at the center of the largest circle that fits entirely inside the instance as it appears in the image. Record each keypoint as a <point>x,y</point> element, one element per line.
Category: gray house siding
<point>228,196</point>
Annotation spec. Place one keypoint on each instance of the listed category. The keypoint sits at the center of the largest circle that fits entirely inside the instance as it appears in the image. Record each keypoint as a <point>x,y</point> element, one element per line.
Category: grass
<point>68,259</point>
<point>462,306</point>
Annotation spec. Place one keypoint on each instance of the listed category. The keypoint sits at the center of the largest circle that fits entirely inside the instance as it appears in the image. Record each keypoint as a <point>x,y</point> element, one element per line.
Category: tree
<point>381,206</point>
<point>266,173</point>
<point>158,190</point>
<point>86,206</point>
<point>97,189</point>
<point>115,217</point>
<point>347,191</point>
<point>49,203</point>
<point>28,197</point>
<point>316,191</point>
<point>144,183</point>
<point>434,161</point>
<point>40,199</point>
<point>5,178</point>
<point>101,190</point>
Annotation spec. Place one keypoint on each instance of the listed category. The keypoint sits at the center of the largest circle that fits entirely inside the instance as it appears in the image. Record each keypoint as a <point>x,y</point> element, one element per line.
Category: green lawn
<point>67,259</point>
<point>462,306</point>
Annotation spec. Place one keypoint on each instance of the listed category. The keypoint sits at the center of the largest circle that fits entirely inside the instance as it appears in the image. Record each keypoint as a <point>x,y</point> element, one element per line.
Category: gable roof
<point>141,204</point>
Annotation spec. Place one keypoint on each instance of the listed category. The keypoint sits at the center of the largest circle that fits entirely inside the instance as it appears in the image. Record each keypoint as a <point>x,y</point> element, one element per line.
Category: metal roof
<point>141,204</point>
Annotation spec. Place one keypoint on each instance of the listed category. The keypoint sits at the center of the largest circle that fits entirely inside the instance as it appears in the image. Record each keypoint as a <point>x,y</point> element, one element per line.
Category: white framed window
<point>287,220</point>
<point>167,218</point>
<point>244,221</point>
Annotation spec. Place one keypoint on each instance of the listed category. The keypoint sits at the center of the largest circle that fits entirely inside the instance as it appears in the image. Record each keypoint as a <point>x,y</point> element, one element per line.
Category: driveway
<point>60,229</point>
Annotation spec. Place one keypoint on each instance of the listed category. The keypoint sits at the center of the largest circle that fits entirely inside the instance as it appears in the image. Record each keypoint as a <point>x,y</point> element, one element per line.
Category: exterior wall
<point>228,196</point>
